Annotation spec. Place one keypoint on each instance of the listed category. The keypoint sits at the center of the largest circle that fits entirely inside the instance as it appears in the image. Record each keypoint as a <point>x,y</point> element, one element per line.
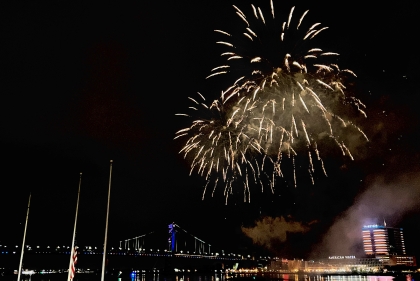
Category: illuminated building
<point>334,264</point>
<point>279,265</point>
<point>386,244</point>
<point>403,260</point>
<point>380,240</point>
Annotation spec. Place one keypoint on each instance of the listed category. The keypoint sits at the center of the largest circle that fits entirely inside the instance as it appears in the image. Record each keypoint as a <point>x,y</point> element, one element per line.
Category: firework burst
<point>284,101</point>
<point>220,148</point>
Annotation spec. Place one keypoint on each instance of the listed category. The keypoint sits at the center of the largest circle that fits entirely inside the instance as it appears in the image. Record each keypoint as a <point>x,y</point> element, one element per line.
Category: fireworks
<point>285,101</point>
<point>219,144</point>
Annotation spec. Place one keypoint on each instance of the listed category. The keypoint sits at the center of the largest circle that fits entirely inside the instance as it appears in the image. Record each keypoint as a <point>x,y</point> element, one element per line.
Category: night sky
<point>85,83</point>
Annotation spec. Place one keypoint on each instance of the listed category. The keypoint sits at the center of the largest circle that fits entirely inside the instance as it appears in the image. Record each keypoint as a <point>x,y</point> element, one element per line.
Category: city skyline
<point>379,241</point>
<point>84,84</point>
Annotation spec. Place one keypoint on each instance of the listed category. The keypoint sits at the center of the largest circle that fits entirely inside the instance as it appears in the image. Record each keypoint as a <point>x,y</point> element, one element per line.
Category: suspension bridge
<point>178,241</point>
<point>173,250</point>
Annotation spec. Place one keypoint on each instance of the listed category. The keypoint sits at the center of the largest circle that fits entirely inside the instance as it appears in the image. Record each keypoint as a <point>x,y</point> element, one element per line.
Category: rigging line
<point>190,234</point>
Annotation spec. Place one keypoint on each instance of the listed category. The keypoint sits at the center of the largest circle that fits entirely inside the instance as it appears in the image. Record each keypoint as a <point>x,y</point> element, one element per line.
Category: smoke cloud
<point>269,231</point>
<point>385,199</point>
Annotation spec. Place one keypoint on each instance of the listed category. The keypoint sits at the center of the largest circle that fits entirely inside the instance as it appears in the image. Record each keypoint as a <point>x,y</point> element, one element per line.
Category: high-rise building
<point>381,240</point>
<point>386,244</point>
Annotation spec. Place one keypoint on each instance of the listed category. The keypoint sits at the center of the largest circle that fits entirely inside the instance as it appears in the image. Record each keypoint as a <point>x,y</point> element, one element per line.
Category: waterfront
<point>133,276</point>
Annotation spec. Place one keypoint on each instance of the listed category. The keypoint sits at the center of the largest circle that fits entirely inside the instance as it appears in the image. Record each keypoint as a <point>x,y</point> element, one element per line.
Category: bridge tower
<point>172,237</point>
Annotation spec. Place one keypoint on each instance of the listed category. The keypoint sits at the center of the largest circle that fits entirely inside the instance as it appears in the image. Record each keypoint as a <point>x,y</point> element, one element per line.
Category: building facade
<point>380,240</point>
<point>386,244</point>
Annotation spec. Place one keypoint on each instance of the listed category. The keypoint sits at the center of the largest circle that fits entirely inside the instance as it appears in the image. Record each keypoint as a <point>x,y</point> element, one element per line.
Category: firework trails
<point>285,100</point>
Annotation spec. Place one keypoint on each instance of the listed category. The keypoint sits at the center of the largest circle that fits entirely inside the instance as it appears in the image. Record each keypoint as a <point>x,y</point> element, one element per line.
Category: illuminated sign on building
<point>341,257</point>
<point>373,226</point>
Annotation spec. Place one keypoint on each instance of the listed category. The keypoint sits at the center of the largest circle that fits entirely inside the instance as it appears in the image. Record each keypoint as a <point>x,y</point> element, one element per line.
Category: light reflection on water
<point>271,277</point>
<point>215,277</point>
<point>358,278</point>
<point>158,277</point>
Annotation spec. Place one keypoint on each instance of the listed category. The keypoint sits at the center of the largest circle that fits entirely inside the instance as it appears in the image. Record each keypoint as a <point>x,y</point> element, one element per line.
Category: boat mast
<point>106,224</point>
<point>74,230</point>
<point>24,237</point>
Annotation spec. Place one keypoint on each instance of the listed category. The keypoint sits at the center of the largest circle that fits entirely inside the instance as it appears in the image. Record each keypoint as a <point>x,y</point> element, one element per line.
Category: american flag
<point>72,268</point>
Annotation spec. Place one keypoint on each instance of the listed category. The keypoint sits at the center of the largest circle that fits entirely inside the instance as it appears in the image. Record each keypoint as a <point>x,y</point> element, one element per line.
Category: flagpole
<point>106,224</point>
<point>74,230</point>
<point>24,237</point>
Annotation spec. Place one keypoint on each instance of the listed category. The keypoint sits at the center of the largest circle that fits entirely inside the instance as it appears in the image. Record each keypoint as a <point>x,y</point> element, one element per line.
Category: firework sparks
<point>243,135</point>
<point>221,139</point>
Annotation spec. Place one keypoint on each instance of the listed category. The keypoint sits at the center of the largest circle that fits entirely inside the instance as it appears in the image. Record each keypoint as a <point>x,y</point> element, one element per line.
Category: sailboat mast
<point>106,224</point>
<point>24,237</point>
<point>74,230</point>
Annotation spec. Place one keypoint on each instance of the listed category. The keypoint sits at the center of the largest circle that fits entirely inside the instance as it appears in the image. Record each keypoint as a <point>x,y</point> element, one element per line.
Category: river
<point>215,277</point>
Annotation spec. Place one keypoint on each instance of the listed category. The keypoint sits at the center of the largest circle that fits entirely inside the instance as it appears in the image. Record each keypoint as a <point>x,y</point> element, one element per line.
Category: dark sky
<point>85,83</point>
